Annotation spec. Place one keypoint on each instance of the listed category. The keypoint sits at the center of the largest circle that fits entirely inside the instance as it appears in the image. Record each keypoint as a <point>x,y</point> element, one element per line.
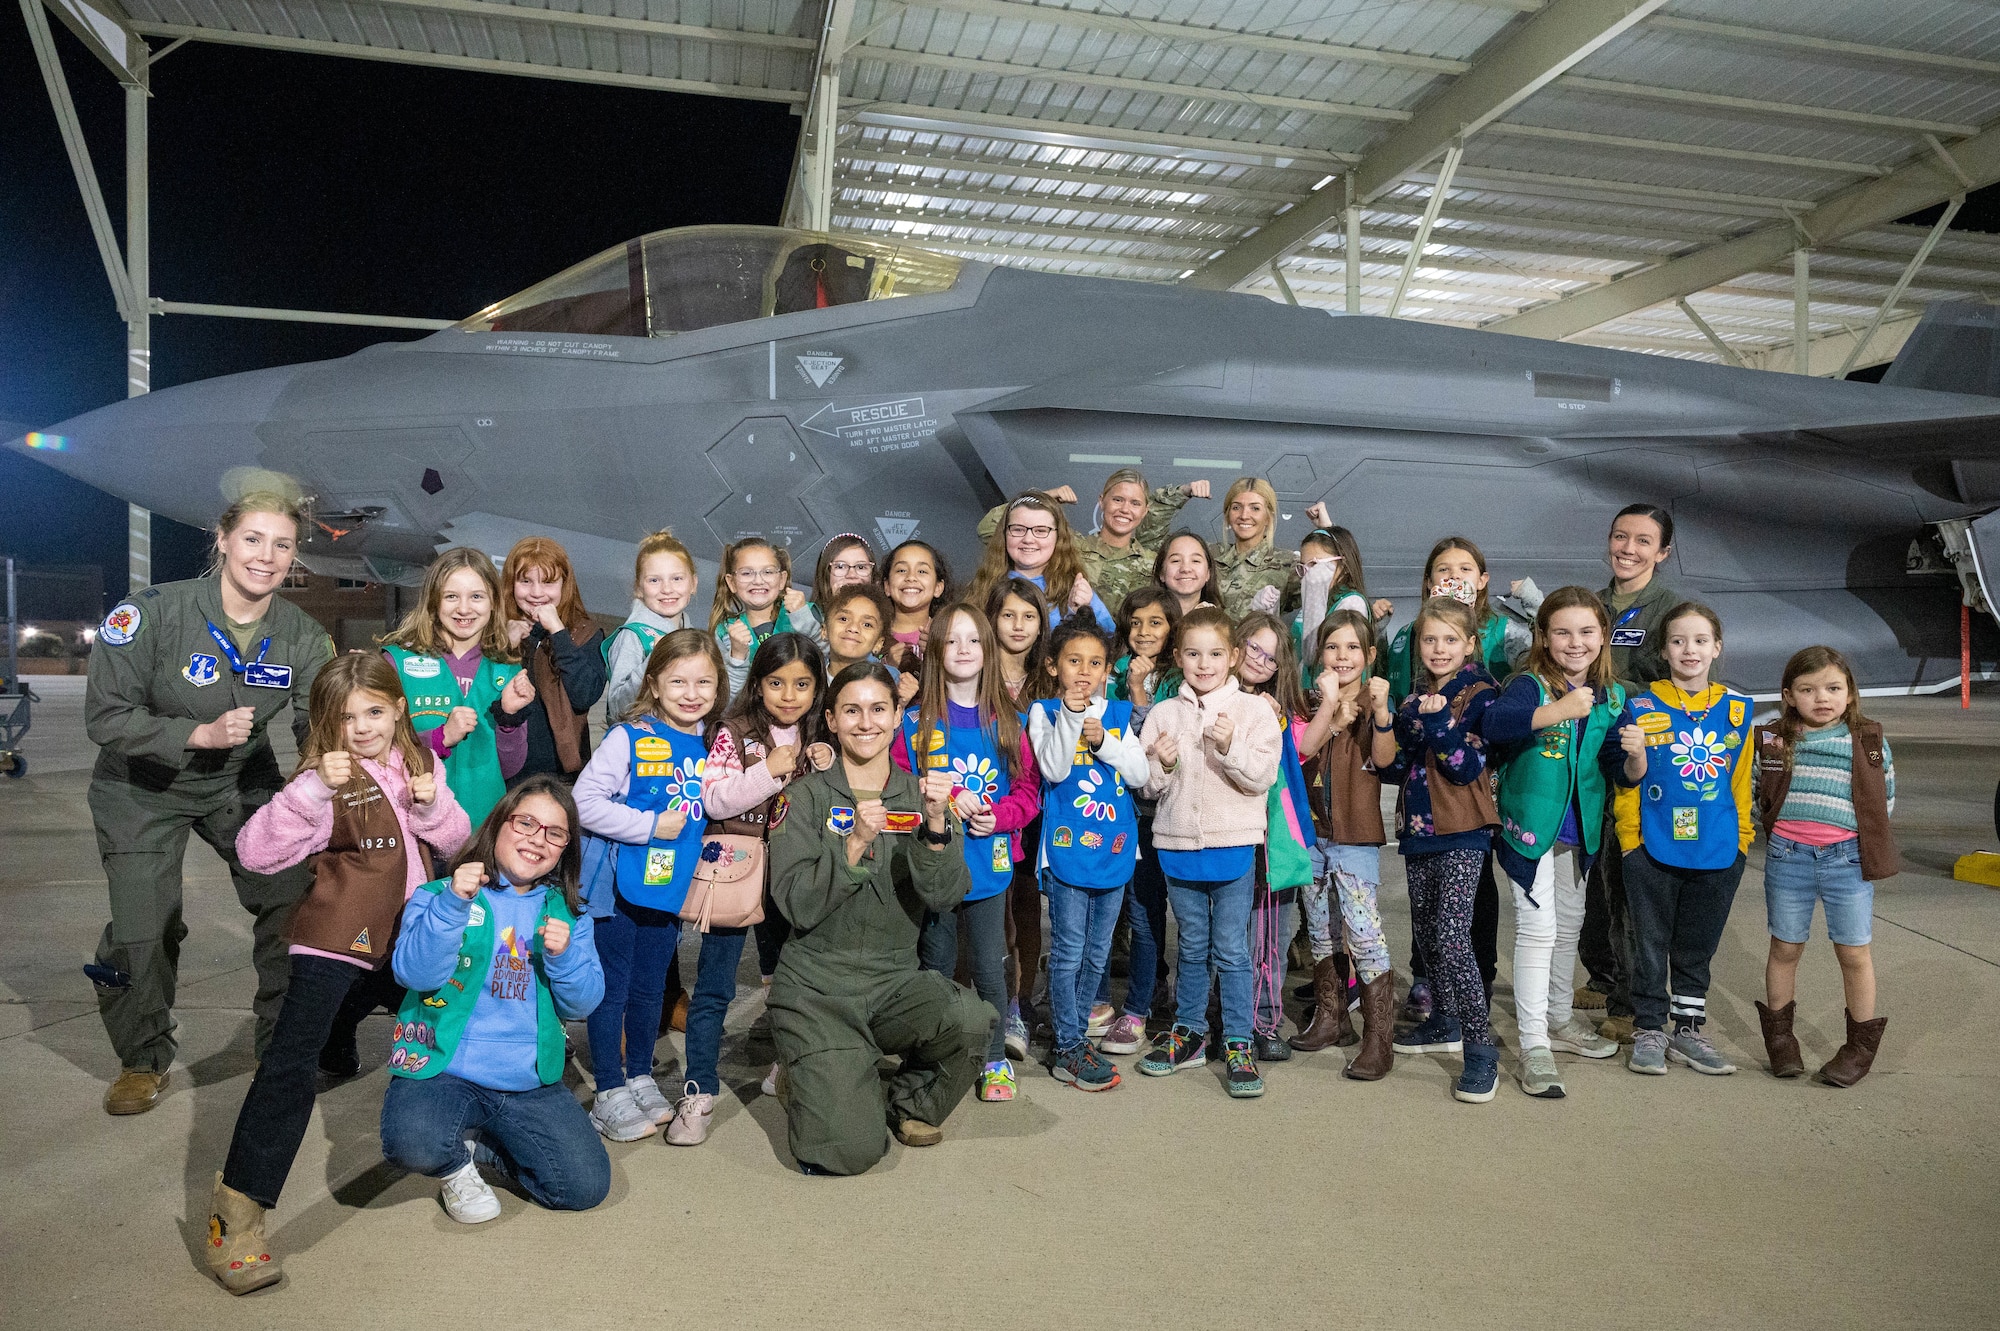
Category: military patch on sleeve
<point>778,812</point>
<point>121,625</point>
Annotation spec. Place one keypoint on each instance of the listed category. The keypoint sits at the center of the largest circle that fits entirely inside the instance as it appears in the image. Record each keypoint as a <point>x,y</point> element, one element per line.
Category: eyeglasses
<point>1258,654</point>
<point>842,566</point>
<point>758,574</point>
<point>1021,533</point>
<point>530,827</point>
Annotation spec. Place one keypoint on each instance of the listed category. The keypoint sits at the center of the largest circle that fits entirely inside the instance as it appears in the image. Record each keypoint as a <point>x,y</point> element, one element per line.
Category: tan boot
<point>1850,1062</point>
<point>916,1132</point>
<point>1780,1045</point>
<point>238,1255</point>
<point>135,1091</point>
<point>1378,1030</point>
<point>1616,1028</point>
<point>1330,1023</point>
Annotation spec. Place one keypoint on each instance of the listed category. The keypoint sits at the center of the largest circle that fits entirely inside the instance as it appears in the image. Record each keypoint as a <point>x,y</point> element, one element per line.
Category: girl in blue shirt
<point>1034,541</point>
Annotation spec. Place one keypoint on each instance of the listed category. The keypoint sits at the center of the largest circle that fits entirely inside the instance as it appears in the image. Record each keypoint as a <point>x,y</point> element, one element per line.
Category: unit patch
<point>839,820</point>
<point>202,670</point>
<point>120,626</point>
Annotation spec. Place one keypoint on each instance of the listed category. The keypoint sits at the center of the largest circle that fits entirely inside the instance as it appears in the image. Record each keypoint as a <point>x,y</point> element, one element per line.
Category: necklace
<point>1687,703</point>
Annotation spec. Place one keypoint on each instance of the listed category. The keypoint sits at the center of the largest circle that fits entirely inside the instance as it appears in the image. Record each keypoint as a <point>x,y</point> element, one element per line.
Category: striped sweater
<point>1822,778</point>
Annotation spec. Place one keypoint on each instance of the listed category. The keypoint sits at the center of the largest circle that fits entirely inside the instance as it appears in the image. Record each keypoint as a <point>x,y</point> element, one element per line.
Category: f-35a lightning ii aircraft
<point>729,380</point>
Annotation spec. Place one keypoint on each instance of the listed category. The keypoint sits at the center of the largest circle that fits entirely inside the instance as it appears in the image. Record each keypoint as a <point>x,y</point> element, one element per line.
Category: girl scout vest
<point>1090,833</point>
<point>356,900</point>
<point>645,633</point>
<point>667,771</point>
<point>1346,795</point>
<point>1687,809</point>
<point>976,765</point>
<point>1555,767</point>
<point>473,769</point>
<point>429,1024</point>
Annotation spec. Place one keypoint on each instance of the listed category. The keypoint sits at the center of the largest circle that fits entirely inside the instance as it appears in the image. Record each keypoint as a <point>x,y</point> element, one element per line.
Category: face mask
<point>1458,589</point>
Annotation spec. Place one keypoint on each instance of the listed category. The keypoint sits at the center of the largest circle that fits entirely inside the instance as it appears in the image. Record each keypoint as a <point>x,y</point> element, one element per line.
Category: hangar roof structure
<point>1713,179</point>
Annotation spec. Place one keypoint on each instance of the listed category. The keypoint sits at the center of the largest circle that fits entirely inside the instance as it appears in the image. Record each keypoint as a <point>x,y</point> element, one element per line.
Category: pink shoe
<point>1125,1035</point>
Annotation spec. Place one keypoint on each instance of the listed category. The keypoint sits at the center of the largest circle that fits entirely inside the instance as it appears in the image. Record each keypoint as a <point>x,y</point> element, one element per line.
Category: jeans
<point>542,1139</point>
<point>1349,876</point>
<point>1149,986</point>
<point>1797,875</point>
<point>986,926</point>
<point>276,1112</point>
<point>1081,921</point>
<point>1214,920</point>
<point>1677,918</point>
<point>714,989</point>
<point>635,945</point>
<point>1547,920</point>
<point>1605,946</point>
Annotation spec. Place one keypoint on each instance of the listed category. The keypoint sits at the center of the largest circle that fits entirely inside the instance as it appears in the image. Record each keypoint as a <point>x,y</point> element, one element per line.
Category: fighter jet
<point>733,380</point>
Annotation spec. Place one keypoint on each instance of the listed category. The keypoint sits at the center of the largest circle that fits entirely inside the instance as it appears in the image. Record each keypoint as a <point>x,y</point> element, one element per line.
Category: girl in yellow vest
<point>367,800</point>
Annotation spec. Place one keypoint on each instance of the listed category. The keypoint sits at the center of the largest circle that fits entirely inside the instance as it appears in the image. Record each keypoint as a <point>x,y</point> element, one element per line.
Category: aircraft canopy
<point>699,277</point>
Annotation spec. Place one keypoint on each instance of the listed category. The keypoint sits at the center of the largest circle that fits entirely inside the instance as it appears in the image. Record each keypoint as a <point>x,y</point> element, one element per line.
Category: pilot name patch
<point>264,675</point>
<point>895,820</point>
<point>1628,637</point>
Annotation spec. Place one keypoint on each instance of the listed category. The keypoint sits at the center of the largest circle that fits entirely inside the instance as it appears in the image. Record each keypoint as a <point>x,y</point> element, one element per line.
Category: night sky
<point>311,182</point>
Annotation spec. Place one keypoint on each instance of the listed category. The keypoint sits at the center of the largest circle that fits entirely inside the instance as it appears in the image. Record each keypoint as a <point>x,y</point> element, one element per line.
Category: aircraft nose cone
<point>166,450</point>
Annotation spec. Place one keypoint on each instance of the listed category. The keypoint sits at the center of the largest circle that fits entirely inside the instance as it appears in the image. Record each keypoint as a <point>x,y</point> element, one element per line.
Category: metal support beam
<point>809,198</point>
<point>1727,352</point>
<point>1826,353</point>
<point>138,272</point>
<point>1522,62</point>
<point>1430,217</point>
<point>1353,265</point>
<point>1903,281</point>
<point>1284,287</point>
<point>1922,183</point>
<point>1801,310</point>
<point>50,60</point>
<point>297,316</point>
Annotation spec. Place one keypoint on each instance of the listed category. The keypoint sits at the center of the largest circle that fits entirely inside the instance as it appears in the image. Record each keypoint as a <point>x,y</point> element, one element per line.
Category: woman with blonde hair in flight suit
<point>185,680</point>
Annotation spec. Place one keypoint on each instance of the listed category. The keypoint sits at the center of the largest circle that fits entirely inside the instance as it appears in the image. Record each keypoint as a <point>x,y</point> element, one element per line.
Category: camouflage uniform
<point>1114,572</point>
<point>1240,576</point>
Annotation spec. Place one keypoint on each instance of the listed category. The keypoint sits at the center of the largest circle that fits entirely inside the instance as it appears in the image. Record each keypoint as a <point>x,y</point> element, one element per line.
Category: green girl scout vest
<point>473,769</point>
<point>647,635</point>
<point>1557,764</point>
<point>429,1024</point>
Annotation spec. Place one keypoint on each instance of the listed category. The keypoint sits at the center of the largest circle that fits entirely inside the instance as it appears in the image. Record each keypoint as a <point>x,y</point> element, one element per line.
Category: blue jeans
<point>1146,913</point>
<point>1080,924</point>
<point>1797,875</point>
<point>1214,920</point>
<point>541,1139</point>
<point>986,927</point>
<point>635,945</point>
<point>714,989</point>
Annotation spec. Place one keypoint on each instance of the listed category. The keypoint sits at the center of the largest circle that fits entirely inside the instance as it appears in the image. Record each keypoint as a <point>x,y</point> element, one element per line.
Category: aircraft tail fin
<point>1955,349</point>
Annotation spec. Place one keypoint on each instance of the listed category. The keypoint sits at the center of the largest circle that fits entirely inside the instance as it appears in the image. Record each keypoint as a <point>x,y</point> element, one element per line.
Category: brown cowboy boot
<point>1779,1042</point>
<point>1378,1030</point>
<point>1330,1024</point>
<point>1850,1062</point>
<point>238,1254</point>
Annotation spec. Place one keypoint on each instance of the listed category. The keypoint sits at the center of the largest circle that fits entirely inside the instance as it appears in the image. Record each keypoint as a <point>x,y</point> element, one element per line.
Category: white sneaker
<point>691,1118</point>
<point>770,1086</point>
<point>617,1116</point>
<point>466,1197</point>
<point>1101,1017</point>
<point>653,1102</point>
<point>1577,1037</point>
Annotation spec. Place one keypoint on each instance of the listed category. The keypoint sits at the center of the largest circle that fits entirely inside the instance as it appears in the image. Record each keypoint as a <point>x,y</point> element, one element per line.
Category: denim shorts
<point>1796,875</point>
<point>1364,862</point>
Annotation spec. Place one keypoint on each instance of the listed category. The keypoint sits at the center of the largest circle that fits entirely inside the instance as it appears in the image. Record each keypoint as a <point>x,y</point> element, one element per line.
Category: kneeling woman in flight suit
<point>860,853</point>
<point>185,679</point>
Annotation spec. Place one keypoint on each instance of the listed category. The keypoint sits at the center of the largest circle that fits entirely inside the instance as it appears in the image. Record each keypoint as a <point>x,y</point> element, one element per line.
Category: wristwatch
<point>939,839</point>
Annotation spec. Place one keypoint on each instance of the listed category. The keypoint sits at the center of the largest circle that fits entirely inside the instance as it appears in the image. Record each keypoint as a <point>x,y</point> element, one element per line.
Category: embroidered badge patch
<point>778,812</point>
<point>898,821</point>
<point>120,626</point>
<point>422,667</point>
<point>1687,825</point>
<point>652,749</point>
<point>1628,637</point>
<point>1002,859</point>
<point>360,943</point>
<point>839,820</point>
<point>1735,712</point>
<point>202,670</point>
<point>659,866</point>
<point>1064,838</point>
<point>1090,840</point>
<point>1118,844</point>
<point>264,675</point>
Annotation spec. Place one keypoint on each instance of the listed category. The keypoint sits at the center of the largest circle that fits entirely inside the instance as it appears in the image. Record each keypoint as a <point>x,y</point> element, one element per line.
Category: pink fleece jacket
<point>1210,798</point>
<point>298,822</point>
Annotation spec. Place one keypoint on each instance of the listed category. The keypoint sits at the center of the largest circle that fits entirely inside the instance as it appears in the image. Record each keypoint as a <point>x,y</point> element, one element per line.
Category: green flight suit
<point>848,990</point>
<point>1240,575</point>
<point>1113,572</point>
<point>155,675</point>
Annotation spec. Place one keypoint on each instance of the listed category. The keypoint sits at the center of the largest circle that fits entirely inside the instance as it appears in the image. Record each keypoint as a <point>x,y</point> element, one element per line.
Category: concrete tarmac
<point>1650,1202</point>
